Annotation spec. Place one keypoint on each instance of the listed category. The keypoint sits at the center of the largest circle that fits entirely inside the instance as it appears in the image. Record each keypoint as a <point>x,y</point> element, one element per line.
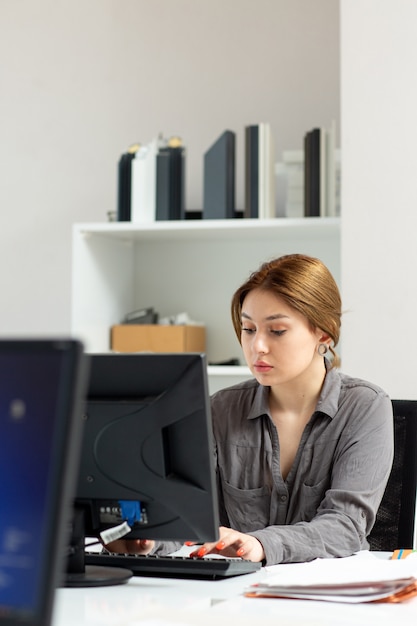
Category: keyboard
<point>174,566</point>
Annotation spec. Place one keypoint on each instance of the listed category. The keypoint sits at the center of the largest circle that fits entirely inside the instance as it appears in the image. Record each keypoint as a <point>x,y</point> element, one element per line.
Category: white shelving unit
<point>191,265</point>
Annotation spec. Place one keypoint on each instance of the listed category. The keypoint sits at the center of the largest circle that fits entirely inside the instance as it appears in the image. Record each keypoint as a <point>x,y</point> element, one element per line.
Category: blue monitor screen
<point>27,411</point>
<point>37,389</point>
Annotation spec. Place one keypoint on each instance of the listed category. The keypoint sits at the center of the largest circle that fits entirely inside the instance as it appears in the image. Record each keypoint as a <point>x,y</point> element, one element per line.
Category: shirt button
<point>283,498</point>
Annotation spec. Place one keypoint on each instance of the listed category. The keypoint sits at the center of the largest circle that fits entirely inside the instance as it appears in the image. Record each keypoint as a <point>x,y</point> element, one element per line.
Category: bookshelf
<point>190,266</point>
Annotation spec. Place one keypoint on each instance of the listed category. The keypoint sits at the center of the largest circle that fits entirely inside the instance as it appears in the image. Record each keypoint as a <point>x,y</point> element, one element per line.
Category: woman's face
<point>278,342</point>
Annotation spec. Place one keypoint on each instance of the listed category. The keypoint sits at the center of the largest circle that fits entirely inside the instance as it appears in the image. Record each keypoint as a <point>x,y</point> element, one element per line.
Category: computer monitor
<point>147,449</point>
<point>42,385</point>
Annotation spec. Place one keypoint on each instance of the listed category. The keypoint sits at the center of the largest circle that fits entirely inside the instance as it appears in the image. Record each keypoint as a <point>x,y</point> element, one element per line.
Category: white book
<point>143,184</point>
<point>266,188</point>
<point>295,195</point>
<point>293,165</point>
<point>338,181</point>
<point>331,171</point>
<point>295,210</point>
<point>137,187</point>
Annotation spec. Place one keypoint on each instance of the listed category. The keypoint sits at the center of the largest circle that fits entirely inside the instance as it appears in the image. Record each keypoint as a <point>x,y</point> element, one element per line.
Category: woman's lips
<point>261,366</point>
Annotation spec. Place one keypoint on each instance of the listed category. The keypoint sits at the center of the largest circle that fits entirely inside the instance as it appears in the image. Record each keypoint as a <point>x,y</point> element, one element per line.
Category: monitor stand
<point>78,574</point>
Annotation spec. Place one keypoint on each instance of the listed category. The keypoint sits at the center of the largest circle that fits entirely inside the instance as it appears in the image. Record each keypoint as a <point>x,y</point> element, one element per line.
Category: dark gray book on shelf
<point>312,173</point>
<point>219,178</point>
<point>170,176</point>
<point>251,171</point>
<point>124,181</point>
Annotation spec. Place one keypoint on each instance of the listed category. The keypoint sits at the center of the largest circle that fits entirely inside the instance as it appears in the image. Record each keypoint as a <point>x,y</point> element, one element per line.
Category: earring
<point>322,349</point>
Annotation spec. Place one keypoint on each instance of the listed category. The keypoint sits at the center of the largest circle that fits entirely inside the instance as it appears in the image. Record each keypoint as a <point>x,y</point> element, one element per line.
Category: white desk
<point>169,602</point>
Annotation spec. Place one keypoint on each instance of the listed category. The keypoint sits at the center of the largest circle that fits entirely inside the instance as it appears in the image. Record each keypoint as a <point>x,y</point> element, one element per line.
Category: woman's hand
<point>131,546</point>
<point>231,543</point>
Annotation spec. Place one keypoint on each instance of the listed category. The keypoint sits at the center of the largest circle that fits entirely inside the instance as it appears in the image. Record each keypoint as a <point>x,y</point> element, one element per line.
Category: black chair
<point>395,520</point>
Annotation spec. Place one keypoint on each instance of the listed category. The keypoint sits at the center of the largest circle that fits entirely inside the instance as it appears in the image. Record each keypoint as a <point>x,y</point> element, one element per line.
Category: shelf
<point>229,370</point>
<point>221,376</point>
<point>241,229</point>
<point>191,266</point>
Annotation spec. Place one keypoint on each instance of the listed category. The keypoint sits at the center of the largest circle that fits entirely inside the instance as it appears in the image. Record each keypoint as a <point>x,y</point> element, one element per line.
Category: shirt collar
<point>328,401</point>
<point>260,404</point>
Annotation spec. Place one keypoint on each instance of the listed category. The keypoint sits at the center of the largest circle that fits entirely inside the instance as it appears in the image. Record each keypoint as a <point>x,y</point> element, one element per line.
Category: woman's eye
<point>248,330</point>
<point>278,332</point>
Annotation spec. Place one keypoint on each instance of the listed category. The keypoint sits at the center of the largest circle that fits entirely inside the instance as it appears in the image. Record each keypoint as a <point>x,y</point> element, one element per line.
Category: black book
<point>312,173</point>
<point>170,177</point>
<point>307,174</point>
<point>124,186</point>
<point>315,173</point>
<point>251,171</point>
<point>219,178</point>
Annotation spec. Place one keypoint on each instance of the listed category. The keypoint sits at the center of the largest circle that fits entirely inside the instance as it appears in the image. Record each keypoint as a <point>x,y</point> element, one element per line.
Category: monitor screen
<point>147,466</point>
<point>42,385</point>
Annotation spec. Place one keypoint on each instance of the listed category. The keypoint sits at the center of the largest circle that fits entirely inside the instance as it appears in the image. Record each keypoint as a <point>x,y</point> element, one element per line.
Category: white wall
<point>379,191</point>
<point>80,80</point>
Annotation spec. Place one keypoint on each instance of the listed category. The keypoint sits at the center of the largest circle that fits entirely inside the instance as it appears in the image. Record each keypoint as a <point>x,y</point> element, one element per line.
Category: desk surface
<point>169,602</point>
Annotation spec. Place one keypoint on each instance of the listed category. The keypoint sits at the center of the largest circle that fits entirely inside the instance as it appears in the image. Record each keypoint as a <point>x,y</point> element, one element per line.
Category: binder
<point>319,173</point>
<point>124,183</point>
<point>219,178</point>
<point>251,171</point>
<point>170,182</point>
<point>259,172</point>
<point>314,158</point>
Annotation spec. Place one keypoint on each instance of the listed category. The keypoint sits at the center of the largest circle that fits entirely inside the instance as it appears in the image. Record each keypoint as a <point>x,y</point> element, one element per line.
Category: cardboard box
<point>157,338</point>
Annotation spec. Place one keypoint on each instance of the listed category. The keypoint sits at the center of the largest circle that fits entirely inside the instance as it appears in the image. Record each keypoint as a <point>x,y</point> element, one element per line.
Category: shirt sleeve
<point>346,513</point>
<point>163,548</point>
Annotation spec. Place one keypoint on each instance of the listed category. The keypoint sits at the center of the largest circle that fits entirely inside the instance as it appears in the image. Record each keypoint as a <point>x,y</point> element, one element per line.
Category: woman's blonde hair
<point>305,284</point>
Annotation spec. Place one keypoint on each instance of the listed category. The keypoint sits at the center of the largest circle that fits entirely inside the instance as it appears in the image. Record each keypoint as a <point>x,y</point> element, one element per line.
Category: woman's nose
<point>260,344</point>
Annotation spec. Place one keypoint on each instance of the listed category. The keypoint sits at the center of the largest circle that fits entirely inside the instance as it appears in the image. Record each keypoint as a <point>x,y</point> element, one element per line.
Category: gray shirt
<point>327,505</point>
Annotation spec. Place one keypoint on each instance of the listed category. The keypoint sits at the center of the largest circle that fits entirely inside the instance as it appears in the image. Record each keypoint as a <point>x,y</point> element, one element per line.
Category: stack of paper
<point>352,579</point>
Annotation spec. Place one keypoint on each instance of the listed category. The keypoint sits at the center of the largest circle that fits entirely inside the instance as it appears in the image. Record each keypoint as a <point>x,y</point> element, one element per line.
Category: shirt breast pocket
<point>311,497</point>
<point>247,509</point>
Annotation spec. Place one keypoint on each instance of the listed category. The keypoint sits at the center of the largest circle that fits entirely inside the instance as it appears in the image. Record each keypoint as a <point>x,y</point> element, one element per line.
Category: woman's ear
<point>323,337</point>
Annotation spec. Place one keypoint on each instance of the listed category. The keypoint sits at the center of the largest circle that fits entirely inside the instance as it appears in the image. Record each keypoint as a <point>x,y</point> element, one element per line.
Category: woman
<point>303,451</point>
